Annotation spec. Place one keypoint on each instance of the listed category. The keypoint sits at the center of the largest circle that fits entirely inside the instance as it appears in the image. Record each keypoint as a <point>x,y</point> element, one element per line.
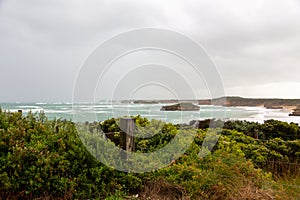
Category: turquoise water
<point>103,111</point>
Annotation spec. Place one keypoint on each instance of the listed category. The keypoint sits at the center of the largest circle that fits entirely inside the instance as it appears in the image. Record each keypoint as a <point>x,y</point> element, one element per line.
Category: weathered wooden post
<point>127,127</point>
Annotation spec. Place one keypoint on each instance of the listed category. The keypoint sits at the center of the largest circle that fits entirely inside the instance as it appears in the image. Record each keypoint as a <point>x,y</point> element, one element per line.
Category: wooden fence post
<point>127,127</point>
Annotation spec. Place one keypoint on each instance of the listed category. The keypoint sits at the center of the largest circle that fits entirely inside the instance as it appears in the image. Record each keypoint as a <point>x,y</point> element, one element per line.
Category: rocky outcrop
<point>296,112</point>
<point>274,107</point>
<point>181,107</point>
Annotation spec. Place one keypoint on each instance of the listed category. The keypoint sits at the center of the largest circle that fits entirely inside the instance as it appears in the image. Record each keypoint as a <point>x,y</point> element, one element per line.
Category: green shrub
<point>47,158</point>
<point>40,157</point>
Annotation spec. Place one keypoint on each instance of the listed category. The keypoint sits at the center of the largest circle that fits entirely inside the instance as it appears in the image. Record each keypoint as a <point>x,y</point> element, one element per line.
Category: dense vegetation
<point>41,158</point>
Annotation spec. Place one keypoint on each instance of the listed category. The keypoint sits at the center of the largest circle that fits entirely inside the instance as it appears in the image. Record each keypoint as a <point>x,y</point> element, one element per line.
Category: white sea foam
<point>105,111</point>
<point>34,107</point>
<point>41,103</point>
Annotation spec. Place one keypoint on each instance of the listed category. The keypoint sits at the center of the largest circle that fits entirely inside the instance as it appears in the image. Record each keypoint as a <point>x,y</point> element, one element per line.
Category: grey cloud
<point>43,43</point>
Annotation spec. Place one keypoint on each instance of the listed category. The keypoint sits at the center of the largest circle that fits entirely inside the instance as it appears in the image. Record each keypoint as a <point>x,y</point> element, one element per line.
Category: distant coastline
<point>270,103</point>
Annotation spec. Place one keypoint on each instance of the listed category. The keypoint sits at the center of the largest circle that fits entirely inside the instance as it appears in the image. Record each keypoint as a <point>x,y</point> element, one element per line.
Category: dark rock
<point>181,107</point>
<point>296,112</point>
<point>274,107</point>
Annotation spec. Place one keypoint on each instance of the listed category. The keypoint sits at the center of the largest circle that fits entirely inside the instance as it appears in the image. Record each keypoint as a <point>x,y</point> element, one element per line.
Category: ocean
<point>103,111</point>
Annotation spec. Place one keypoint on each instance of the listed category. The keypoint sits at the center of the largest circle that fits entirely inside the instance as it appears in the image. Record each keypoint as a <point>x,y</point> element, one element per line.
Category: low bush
<point>41,158</point>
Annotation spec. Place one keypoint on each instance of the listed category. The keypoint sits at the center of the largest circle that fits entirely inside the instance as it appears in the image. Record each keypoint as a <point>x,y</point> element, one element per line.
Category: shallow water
<point>100,112</point>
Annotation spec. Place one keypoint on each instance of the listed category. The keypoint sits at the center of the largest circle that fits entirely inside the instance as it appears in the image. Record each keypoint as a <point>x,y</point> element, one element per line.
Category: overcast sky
<point>254,44</point>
